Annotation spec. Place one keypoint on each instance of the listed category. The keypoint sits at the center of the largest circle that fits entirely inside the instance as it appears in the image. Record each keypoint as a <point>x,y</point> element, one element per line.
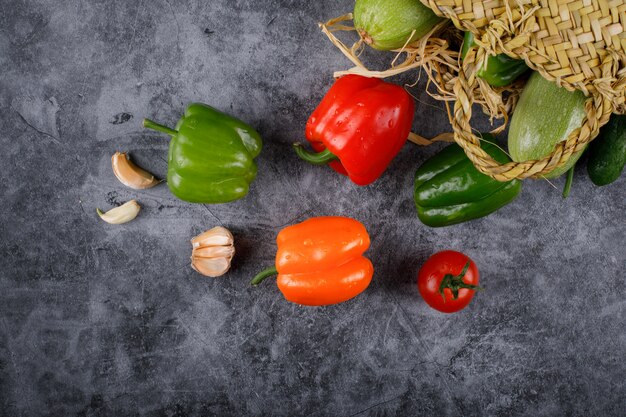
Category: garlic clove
<point>218,236</point>
<point>130,174</point>
<point>214,252</point>
<point>122,214</point>
<point>211,267</point>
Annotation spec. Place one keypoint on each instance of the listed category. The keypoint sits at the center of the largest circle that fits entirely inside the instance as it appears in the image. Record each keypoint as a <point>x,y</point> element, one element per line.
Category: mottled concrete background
<point>97,320</point>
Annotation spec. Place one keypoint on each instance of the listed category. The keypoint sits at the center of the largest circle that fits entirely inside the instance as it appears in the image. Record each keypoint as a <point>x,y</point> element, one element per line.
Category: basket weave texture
<point>579,44</point>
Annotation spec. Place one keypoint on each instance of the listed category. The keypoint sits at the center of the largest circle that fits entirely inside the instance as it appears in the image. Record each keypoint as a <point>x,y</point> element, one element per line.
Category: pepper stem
<point>320,158</point>
<point>568,182</point>
<point>455,282</point>
<point>147,123</point>
<point>264,274</point>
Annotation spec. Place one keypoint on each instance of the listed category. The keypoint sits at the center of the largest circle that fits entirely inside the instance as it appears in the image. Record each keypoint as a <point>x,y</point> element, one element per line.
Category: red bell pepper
<point>359,127</point>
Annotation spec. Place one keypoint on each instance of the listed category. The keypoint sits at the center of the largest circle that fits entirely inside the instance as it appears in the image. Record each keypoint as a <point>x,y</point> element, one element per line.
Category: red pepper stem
<point>264,274</point>
<point>147,123</point>
<point>320,158</point>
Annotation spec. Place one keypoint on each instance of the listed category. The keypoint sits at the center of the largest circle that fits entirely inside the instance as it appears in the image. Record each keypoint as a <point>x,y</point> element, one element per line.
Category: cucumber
<point>545,115</point>
<point>388,24</point>
<point>607,153</point>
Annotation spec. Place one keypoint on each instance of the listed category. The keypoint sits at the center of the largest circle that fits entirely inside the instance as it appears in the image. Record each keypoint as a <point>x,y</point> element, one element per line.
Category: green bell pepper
<point>450,190</point>
<point>211,155</point>
<point>501,69</point>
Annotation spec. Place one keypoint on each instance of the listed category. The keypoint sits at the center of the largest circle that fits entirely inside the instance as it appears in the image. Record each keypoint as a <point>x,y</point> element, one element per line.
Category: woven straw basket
<point>579,44</point>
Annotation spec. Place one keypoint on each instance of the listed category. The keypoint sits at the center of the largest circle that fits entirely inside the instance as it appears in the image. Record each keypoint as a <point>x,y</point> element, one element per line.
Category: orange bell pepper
<point>320,261</point>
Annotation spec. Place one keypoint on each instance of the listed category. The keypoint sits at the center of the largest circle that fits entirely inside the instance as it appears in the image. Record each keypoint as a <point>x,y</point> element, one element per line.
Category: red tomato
<point>448,281</point>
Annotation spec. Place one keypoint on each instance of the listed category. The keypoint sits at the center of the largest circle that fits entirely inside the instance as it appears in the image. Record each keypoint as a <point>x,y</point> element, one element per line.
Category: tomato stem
<point>455,283</point>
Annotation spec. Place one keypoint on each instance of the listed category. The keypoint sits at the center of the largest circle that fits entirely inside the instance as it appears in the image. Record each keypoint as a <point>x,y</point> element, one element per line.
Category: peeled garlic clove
<point>122,214</point>
<point>218,236</point>
<point>130,174</point>
<point>214,252</point>
<point>211,267</point>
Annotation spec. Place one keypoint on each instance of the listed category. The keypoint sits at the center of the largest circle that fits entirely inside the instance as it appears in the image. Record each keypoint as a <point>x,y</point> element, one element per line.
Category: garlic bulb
<point>213,252</point>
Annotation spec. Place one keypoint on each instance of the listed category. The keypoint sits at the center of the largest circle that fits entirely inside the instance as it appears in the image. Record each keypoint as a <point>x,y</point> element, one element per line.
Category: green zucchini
<point>388,24</point>
<point>545,115</point>
<point>607,153</point>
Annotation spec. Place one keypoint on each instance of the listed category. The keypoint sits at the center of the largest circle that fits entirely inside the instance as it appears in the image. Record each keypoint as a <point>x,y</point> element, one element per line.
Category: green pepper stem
<point>320,158</point>
<point>568,182</point>
<point>264,274</point>
<point>147,123</point>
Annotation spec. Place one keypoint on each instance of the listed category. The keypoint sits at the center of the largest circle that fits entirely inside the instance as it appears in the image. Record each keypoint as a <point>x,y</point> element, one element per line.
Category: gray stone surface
<point>101,320</point>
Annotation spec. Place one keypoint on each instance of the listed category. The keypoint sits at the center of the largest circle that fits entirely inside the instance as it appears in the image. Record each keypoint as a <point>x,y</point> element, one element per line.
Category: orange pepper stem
<point>264,274</point>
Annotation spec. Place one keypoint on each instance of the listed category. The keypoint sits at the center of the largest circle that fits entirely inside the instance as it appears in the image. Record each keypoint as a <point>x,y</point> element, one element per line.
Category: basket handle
<point>598,109</point>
